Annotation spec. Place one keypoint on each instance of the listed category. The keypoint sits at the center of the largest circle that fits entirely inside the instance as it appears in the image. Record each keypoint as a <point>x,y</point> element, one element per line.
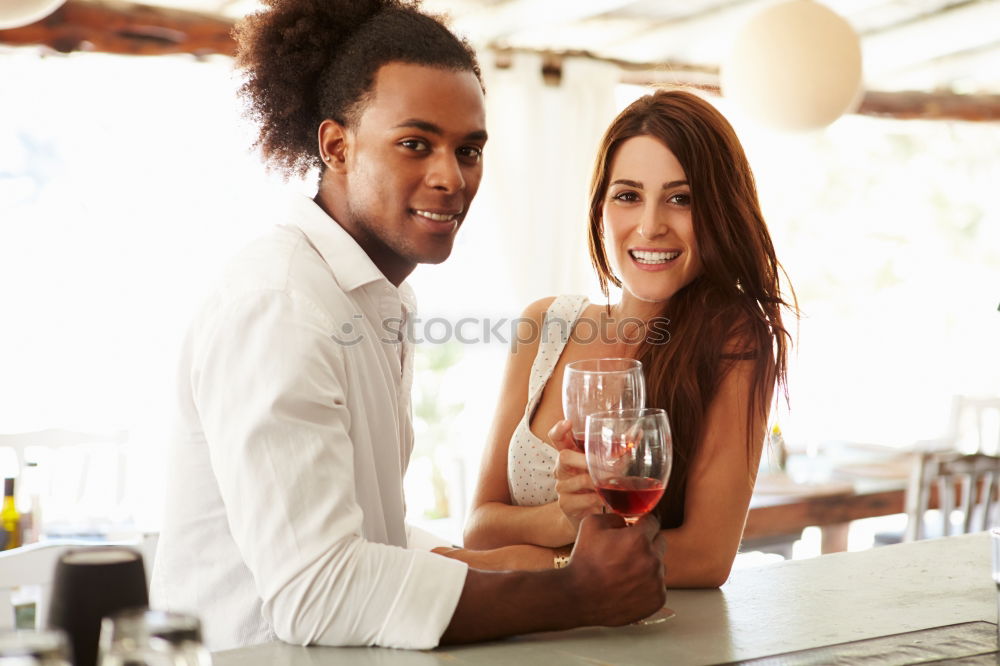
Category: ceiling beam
<point>138,30</point>
<point>126,29</point>
<point>931,106</point>
<point>969,72</point>
<point>489,24</point>
<point>697,37</point>
<point>904,105</point>
<point>951,30</point>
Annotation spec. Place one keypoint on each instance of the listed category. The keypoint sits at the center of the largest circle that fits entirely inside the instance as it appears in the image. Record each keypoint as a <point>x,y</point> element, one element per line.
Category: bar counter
<point>769,610</point>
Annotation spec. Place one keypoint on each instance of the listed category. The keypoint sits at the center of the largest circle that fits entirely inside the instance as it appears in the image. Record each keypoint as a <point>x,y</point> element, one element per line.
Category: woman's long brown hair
<point>731,312</point>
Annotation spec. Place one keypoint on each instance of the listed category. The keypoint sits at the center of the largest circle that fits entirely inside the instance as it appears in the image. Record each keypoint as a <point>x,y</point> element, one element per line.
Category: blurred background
<point>127,177</point>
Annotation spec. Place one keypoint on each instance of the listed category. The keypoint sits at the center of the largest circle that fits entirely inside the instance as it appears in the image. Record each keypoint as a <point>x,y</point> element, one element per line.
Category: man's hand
<point>577,496</point>
<point>615,576</point>
<point>616,572</point>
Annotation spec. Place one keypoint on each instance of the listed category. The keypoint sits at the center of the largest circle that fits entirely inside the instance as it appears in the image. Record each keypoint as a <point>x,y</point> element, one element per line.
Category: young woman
<point>675,222</point>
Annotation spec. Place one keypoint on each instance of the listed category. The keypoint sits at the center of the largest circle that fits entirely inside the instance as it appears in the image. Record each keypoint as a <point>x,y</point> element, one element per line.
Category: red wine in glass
<point>631,496</point>
<point>629,456</point>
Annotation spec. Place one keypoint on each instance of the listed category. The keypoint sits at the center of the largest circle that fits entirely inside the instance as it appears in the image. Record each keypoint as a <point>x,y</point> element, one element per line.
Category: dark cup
<point>89,584</point>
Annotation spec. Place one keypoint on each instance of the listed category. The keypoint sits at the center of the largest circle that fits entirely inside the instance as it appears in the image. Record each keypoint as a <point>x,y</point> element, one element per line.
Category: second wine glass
<point>629,456</point>
<point>598,385</point>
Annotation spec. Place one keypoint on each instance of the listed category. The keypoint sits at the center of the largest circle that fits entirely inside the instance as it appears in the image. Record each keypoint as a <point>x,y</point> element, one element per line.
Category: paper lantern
<point>796,65</point>
<point>15,13</point>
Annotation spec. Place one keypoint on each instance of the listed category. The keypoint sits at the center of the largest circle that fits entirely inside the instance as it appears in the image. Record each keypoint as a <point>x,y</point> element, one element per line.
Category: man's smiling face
<point>412,164</point>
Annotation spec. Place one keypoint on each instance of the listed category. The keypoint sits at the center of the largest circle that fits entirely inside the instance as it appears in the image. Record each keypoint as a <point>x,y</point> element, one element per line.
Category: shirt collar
<point>408,298</point>
<point>351,266</point>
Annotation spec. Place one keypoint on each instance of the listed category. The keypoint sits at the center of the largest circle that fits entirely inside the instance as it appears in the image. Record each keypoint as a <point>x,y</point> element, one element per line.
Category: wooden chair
<point>964,483</point>
<point>81,478</point>
<point>975,424</point>
<point>974,428</point>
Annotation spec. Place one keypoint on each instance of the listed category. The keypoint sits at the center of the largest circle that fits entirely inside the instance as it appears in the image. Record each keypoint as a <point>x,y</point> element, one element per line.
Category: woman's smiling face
<point>648,231</point>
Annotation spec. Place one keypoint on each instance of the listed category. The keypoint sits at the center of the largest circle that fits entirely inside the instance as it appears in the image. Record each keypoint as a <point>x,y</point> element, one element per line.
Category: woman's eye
<point>626,196</point>
<point>680,199</point>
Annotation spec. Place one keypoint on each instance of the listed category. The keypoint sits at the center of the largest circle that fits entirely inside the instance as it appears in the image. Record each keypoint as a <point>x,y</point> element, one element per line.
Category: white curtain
<point>123,181</point>
<point>543,140</point>
<point>124,184</point>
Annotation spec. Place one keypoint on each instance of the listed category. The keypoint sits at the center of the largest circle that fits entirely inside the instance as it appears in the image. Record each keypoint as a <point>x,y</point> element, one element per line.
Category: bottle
<point>31,515</point>
<point>10,519</point>
<point>778,447</point>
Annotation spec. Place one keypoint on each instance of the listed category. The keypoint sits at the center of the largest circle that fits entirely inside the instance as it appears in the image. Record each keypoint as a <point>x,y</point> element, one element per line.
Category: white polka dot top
<point>530,461</point>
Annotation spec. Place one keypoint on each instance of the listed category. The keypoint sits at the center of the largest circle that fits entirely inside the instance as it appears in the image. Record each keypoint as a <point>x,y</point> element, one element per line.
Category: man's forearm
<point>496,604</point>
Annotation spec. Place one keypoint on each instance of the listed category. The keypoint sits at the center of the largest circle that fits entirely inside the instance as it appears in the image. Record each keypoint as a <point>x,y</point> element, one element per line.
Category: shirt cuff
<point>426,602</point>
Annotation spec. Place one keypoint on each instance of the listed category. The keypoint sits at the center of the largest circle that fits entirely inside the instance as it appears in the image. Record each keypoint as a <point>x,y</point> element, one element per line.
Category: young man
<point>285,515</point>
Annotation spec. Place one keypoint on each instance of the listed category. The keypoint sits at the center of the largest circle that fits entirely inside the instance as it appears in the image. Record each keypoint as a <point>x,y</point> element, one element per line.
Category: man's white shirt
<point>285,476</point>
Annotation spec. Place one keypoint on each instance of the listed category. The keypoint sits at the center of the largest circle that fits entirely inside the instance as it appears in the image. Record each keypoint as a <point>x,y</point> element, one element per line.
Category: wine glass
<point>599,385</point>
<point>143,637</point>
<point>629,456</point>
<point>46,647</point>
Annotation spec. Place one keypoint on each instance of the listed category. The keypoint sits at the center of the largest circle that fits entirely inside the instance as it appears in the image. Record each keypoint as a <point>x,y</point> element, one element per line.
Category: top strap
<point>557,326</point>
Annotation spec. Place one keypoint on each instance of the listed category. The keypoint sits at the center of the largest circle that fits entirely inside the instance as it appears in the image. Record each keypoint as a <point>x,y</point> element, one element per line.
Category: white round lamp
<point>16,13</point>
<point>795,65</point>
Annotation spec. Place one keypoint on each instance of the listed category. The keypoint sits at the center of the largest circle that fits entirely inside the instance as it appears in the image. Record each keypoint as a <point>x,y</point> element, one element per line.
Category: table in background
<point>762,611</point>
<point>777,515</point>
<point>842,489</point>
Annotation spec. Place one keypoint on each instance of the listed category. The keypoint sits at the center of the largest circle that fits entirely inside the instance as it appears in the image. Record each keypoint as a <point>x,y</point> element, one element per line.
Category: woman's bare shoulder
<point>744,340</point>
<point>527,328</point>
<point>537,309</point>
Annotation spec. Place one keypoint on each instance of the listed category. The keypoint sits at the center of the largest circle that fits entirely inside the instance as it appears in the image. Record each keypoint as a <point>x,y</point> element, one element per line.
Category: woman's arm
<point>719,485</point>
<point>522,557</point>
<point>494,521</point>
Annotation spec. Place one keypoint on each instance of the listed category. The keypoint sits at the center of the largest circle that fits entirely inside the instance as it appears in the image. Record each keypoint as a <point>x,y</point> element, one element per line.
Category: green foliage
<point>434,412</point>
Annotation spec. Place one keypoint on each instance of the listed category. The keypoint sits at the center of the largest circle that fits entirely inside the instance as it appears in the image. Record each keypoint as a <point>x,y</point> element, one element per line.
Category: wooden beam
<point>931,106</point>
<point>905,105</point>
<point>126,29</point>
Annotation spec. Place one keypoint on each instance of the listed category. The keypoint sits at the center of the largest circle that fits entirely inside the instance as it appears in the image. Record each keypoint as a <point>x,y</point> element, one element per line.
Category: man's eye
<point>414,144</point>
<point>471,153</point>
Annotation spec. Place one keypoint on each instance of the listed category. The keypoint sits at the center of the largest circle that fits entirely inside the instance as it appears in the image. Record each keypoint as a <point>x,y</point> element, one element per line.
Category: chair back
<point>975,424</point>
<point>81,478</point>
<point>953,482</point>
